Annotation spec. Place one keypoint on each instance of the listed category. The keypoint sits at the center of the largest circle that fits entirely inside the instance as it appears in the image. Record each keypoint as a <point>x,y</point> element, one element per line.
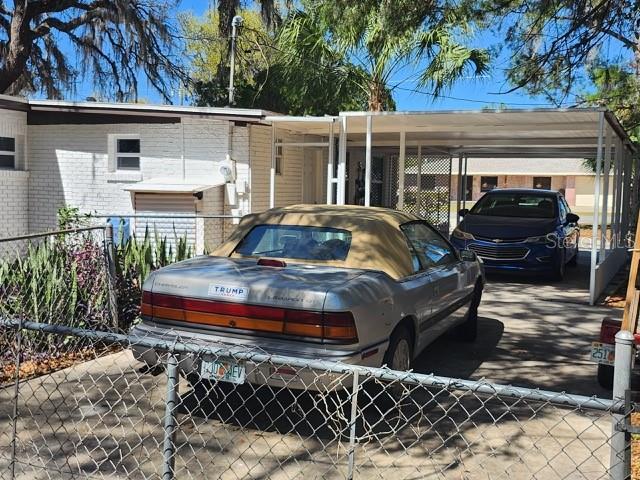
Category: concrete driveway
<point>533,333</point>
<point>104,417</point>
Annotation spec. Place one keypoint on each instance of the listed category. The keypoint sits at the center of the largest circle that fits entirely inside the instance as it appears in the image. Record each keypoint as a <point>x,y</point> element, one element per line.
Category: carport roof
<point>532,133</point>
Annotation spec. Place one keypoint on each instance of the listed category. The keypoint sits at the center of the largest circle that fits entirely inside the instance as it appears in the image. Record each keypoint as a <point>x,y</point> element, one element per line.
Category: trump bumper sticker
<point>228,291</point>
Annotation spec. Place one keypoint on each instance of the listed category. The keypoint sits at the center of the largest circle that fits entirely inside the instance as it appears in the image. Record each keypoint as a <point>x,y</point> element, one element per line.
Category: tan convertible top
<point>376,241</point>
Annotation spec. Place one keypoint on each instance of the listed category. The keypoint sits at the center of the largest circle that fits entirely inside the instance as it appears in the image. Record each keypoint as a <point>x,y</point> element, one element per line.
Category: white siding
<point>167,205</point>
<point>260,159</point>
<point>240,153</point>
<point>289,184</point>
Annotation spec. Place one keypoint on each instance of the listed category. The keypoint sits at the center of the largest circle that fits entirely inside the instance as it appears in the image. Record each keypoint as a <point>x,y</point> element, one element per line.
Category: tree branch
<point>621,38</point>
<point>68,26</point>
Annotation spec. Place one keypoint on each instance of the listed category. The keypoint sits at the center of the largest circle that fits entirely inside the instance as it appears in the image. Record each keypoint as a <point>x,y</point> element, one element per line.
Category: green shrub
<point>135,260</point>
<point>62,279</point>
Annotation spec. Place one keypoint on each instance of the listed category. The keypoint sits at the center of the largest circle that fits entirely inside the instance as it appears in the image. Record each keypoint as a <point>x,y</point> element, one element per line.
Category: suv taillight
<point>608,330</point>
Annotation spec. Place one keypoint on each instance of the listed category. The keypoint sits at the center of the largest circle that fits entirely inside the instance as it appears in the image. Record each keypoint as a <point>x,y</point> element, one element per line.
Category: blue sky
<point>468,93</point>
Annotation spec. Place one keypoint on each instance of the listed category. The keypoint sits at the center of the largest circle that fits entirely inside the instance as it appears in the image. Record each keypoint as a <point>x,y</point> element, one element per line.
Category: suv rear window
<point>293,241</point>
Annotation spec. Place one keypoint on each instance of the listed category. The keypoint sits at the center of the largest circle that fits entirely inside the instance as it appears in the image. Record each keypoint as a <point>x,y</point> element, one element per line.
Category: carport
<point>435,142</point>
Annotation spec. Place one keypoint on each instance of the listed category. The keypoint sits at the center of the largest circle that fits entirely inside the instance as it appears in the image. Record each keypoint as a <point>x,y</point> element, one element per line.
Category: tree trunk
<point>377,96</point>
<point>18,50</point>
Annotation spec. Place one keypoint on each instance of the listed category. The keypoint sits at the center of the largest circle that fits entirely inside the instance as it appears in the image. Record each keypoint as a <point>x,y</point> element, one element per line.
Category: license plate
<point>223,370</point>
<point>602,353</point>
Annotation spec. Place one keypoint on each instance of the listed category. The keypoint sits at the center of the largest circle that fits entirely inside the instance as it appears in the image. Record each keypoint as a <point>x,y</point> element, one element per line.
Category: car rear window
<point>524,205</point>
<point>293,241</point>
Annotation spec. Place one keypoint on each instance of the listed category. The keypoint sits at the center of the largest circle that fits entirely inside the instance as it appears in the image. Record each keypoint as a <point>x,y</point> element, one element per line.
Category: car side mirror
<point>572,218</point>
<point>463,212</point>
<point>468,255</point>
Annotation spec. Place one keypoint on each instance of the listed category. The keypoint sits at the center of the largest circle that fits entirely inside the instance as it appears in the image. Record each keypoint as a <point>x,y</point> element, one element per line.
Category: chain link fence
<point>57,278</point>
<point>108,415</point>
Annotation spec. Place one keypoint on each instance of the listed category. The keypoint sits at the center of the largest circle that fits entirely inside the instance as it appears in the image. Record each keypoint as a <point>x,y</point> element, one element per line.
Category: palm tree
<point>382,41</point>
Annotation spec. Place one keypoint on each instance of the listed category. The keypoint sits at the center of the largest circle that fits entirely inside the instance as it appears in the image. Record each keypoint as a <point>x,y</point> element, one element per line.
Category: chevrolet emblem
<point>497,240</point>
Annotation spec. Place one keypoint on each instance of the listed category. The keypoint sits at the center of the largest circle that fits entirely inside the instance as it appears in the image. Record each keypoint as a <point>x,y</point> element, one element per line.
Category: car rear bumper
<point>512,256</point>
<point>266,373</point>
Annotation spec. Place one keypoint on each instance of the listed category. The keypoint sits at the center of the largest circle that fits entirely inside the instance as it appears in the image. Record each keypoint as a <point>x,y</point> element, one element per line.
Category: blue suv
<point>520,230</point>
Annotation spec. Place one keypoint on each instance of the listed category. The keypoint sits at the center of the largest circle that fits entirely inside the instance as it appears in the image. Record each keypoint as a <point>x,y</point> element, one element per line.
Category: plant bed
<point>47,363</point>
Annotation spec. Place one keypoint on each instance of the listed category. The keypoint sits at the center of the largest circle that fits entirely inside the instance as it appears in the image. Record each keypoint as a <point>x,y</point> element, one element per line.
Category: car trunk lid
<point>242,296</point>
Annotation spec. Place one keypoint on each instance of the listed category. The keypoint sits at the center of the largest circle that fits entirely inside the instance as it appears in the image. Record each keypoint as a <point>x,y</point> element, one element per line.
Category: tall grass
<point>62,279</point>
<point>59,280</point>
<point>135,260</point>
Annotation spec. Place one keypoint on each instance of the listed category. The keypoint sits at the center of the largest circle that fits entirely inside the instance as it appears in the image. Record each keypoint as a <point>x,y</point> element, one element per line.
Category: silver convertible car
<point>366,286</point>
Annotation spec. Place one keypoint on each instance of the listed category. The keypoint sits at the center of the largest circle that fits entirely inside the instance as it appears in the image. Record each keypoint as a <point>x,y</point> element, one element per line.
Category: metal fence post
<point>619,469</point>
<point>16,393</point>
<point>168,453</point>
<point>352,425</point>
<point>110,257</point>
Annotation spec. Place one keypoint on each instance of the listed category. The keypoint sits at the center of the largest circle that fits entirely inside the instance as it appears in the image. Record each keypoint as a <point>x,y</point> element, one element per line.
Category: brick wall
<point>69,163</point>
<point>14,183</point>
<point>14,200</point>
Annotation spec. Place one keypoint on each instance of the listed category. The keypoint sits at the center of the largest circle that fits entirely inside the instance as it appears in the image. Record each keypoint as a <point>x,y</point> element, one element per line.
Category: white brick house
<point>163,160</point>
<point>137,159</point>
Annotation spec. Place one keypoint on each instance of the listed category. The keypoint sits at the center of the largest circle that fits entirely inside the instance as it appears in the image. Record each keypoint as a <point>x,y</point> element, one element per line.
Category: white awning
<point>172,185</point>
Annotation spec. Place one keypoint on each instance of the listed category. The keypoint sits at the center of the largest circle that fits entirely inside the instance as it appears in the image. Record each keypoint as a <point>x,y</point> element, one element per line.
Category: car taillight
<point>608,330</point>
<point>338,327</point>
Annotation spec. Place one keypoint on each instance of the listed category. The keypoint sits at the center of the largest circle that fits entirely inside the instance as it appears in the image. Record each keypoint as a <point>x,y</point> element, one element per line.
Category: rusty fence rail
<point>202,410</point>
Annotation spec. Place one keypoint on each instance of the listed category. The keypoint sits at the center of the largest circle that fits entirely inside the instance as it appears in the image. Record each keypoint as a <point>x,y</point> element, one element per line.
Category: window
<point>279,156</point>
<point>304,243</point>
<point>428,247</point>
<point>427,182</point>
<point>542,183</point>
<point>522,205</point>
<point>468,191</point>
<point>488,183</point>
<point>7,152</point>
<point>127,153</point>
